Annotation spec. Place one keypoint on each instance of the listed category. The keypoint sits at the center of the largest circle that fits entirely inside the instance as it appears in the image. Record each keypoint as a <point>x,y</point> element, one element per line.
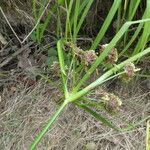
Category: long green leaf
<point>99,117</point>
<point>68,22</point>
<point>84,14</point>
<point>133,8</point>
<point>146,33</point>
<point>139,28</point>
<point>112,44</point>
<point>106,24</point>
<point>106,75</point>
<point>34,9</point>
<point>76,13</point>
<point>47,127</point>
<point>47,20</point>
<point>133,5</point>
<point>38,28</point>
<point>83,4</point>
<point>75,97</point>
<point>62,66</point>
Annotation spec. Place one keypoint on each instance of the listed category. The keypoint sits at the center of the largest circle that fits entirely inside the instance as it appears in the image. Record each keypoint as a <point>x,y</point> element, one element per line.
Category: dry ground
<point>23,111</point>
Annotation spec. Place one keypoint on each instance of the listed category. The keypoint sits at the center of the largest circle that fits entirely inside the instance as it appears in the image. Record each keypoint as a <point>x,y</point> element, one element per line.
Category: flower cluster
<point>112,55</point>
<point>129,72</point>
<point>85,57</point>
<point>111,101</point>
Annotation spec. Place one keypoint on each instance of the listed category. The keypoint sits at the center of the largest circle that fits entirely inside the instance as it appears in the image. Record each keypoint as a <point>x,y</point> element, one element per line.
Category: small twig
<point>38,21</point>
<point>6,61</point>
<point>9,24</point>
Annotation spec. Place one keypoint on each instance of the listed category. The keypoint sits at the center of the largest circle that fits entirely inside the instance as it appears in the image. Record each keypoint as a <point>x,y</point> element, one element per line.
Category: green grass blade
<point>139,28</point>
<point>59,29</point>
<point>133,8</point>
<point>133,126</point>
<point>97,116</point>
<point>119,19</point>
<point>83,4</point>
<point>112,44</point>
<point>47,20</point>
<point>41,28</point>
<point>47,127</point>
<point>84,14</point>
<point>34,9</point>
<point>62,66</point>
<point>50,81</point>
<point>125,8</point>
<point>133,5</point>
<point>42,6</point>
<point>38,29</point>
<point>146,33</point>
<point>106,75</point>
<point>76,13</point>
<point>132,40</point>
<point>61,2</point>
<point>68,22</point>
<point>106,24</point>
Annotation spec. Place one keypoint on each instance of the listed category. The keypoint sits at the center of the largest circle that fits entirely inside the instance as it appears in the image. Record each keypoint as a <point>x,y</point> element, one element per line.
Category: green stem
<point>106,75</point>
<point>106,23</point>
<point>62,67</point>
<point>48,126</point>
<point>103,55</point>
<point>76,96</point>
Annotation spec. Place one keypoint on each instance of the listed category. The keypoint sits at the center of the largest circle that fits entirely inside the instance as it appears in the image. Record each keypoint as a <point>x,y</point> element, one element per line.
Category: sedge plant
<point>78,91</point>
<point>128,15</point>
<point>73,97</point>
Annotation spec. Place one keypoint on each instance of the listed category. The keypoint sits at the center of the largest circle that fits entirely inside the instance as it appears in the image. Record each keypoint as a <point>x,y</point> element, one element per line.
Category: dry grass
<point>17,12</point>
<point>24,110</point>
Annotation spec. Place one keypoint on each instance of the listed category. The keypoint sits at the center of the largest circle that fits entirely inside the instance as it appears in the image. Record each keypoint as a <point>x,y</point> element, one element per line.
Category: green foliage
<point>146,33</point>
<point>74,89</point>
<point>130,14</point>
<point>39,12</point>
<point>106,23</point>
<point>76,17</point>
<point>52,57</point>
<point>97,116</point>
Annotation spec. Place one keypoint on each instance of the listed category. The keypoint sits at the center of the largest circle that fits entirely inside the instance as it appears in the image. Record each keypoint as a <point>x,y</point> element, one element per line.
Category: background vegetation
<point>76,47</point>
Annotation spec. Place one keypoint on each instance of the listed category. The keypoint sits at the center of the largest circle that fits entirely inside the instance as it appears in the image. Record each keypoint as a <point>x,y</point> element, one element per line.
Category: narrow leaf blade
<point>97,116</point>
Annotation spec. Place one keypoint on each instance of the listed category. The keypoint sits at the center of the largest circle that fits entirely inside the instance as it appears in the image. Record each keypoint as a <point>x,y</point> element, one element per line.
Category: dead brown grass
<point>24,111</point>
